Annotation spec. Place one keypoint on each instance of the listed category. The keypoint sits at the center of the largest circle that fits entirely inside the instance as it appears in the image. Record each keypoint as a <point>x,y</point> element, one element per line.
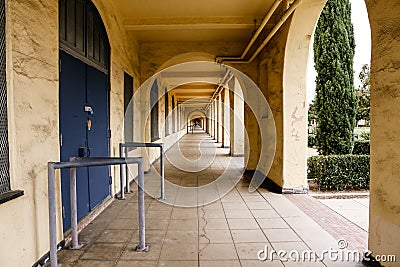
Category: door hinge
<point>109,180</point>
<point>109,134</point>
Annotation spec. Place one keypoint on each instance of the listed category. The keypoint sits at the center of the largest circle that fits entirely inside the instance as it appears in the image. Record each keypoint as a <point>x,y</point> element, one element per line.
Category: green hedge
<point>312,141</point>
<point>339,172</point>
<point>361,147</point>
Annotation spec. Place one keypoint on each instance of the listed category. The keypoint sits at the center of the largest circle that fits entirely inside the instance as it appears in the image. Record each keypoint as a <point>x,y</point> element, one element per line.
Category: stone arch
<point>187,57</point>
<point>122,51</point>
<point>297,50</point>
<point>385,107</point>
<point>196,114</point>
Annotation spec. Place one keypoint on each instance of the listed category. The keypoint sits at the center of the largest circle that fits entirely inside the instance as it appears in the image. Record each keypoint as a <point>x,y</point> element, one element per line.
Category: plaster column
<point>178,116</point>
<point>236,120</point>
<point>219,119</point>
<point>225,118</point>
<point>214,120</point>
<point>384,220</point>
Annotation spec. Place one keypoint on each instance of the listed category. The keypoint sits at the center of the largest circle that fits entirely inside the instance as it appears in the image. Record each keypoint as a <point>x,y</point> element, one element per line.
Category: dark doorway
<point>128,109</point>
<point>83,103</point>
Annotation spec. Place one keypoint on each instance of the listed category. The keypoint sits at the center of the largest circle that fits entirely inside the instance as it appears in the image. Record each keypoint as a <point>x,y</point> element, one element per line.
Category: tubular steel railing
<point>88,162</point>
<point>123,152</point>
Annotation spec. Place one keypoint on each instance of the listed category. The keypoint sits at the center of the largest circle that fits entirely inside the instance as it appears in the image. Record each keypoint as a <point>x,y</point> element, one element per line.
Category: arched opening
<point>322,104</point>
<point>210,102</point>
<point>83,102</point>
<point>383,222</point>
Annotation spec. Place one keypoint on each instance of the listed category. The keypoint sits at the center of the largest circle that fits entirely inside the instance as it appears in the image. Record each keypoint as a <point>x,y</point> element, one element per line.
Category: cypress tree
<point>336,102</point>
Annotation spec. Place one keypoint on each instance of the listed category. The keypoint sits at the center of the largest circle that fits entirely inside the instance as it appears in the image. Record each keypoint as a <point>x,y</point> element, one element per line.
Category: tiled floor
<point>230,231</point>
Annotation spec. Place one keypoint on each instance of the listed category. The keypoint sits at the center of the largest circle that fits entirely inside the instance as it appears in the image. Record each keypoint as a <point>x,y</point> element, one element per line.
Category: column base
<point>267,183</point>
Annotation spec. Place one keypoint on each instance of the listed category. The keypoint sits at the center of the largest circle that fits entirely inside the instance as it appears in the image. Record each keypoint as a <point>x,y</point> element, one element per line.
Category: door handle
<point>89,109</point>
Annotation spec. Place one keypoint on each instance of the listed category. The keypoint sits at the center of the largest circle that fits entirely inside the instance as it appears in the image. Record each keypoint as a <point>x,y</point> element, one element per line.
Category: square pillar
<point>225,118</point>
<point>219,120</point>
<point>236,120</point>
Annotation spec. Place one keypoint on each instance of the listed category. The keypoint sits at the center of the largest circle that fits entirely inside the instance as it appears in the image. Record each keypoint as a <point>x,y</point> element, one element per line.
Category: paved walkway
<point>355,210</point>
<point>228,232</point>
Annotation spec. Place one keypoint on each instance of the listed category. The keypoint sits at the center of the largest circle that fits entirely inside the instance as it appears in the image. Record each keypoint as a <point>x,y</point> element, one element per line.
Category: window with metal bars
<point>5,189</point>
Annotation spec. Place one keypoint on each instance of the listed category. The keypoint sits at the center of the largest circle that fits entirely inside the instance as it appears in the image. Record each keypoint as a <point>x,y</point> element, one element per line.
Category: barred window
<point>5,189</point>
<point>4,165</point>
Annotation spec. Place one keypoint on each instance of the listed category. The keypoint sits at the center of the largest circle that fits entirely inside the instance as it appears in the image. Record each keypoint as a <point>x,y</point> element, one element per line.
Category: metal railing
<point>88,162</point>
<point>123,151</point>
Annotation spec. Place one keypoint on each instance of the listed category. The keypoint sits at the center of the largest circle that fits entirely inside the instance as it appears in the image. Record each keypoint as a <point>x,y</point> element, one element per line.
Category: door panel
<point>72,95</point>
<point>80,86</point>
<point>97,98</point>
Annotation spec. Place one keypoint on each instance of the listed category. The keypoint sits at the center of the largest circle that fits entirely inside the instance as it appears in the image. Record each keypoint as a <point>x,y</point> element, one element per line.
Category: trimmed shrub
<point>312,141</point>
<point>361,147</point>
<point>339,172</point>
<point>365,135</point>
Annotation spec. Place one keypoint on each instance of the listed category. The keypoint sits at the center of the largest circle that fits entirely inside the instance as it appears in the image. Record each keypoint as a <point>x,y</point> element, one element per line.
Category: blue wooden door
<point>97,98</point>
<point>80,86</point>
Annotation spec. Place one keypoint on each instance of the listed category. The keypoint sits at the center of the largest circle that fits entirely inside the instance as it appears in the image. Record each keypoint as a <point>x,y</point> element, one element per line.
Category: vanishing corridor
<point>228,232</point>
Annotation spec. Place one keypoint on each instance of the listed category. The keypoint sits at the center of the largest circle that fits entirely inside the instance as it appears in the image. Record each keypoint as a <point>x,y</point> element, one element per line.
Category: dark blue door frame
<point>83,86</point>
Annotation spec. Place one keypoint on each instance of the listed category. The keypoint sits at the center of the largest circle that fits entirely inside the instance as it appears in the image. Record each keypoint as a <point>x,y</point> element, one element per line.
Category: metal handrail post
<point>162,167</point>
<point>162,171</point>
<point>127,184</point>
<point>52,214</point>
<point>88,162</point>
<point>142,228</point>
<point>74,209</point>
<point>121,175</point>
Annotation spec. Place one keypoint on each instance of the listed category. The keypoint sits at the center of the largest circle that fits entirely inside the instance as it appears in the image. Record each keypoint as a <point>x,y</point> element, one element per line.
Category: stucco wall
<point>271,64</point>
<point>295,95</point>
<point>384,226</point>
<point>32,83</point>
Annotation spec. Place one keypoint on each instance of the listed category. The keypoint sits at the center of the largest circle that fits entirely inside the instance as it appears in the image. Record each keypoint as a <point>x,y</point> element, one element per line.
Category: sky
<point>362,35</point>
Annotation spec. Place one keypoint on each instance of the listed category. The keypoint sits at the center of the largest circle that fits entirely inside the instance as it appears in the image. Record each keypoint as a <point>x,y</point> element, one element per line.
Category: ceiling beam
<point>190,91</point>
<point>198,86</point>
<point>186,74</point>
<point>190,23</point>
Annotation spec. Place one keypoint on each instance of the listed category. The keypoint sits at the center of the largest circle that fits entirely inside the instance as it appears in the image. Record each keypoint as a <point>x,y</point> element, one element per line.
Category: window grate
<point>4,161</point>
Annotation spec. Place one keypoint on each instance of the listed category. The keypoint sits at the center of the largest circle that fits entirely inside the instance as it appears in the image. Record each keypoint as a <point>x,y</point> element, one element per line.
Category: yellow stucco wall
<point>295,94</point>
<point>271,63</point>
<point>32,83</point>
<point>384,227</point>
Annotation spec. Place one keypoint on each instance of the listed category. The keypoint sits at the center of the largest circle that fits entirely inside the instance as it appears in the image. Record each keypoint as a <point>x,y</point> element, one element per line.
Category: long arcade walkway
<point>230,231</point>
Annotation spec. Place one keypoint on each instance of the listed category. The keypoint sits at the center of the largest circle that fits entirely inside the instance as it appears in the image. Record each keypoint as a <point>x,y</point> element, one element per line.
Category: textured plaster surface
<point>295,94</point>
<point>272,62</point>
<point>384,225</point>
<point>32,82</point>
